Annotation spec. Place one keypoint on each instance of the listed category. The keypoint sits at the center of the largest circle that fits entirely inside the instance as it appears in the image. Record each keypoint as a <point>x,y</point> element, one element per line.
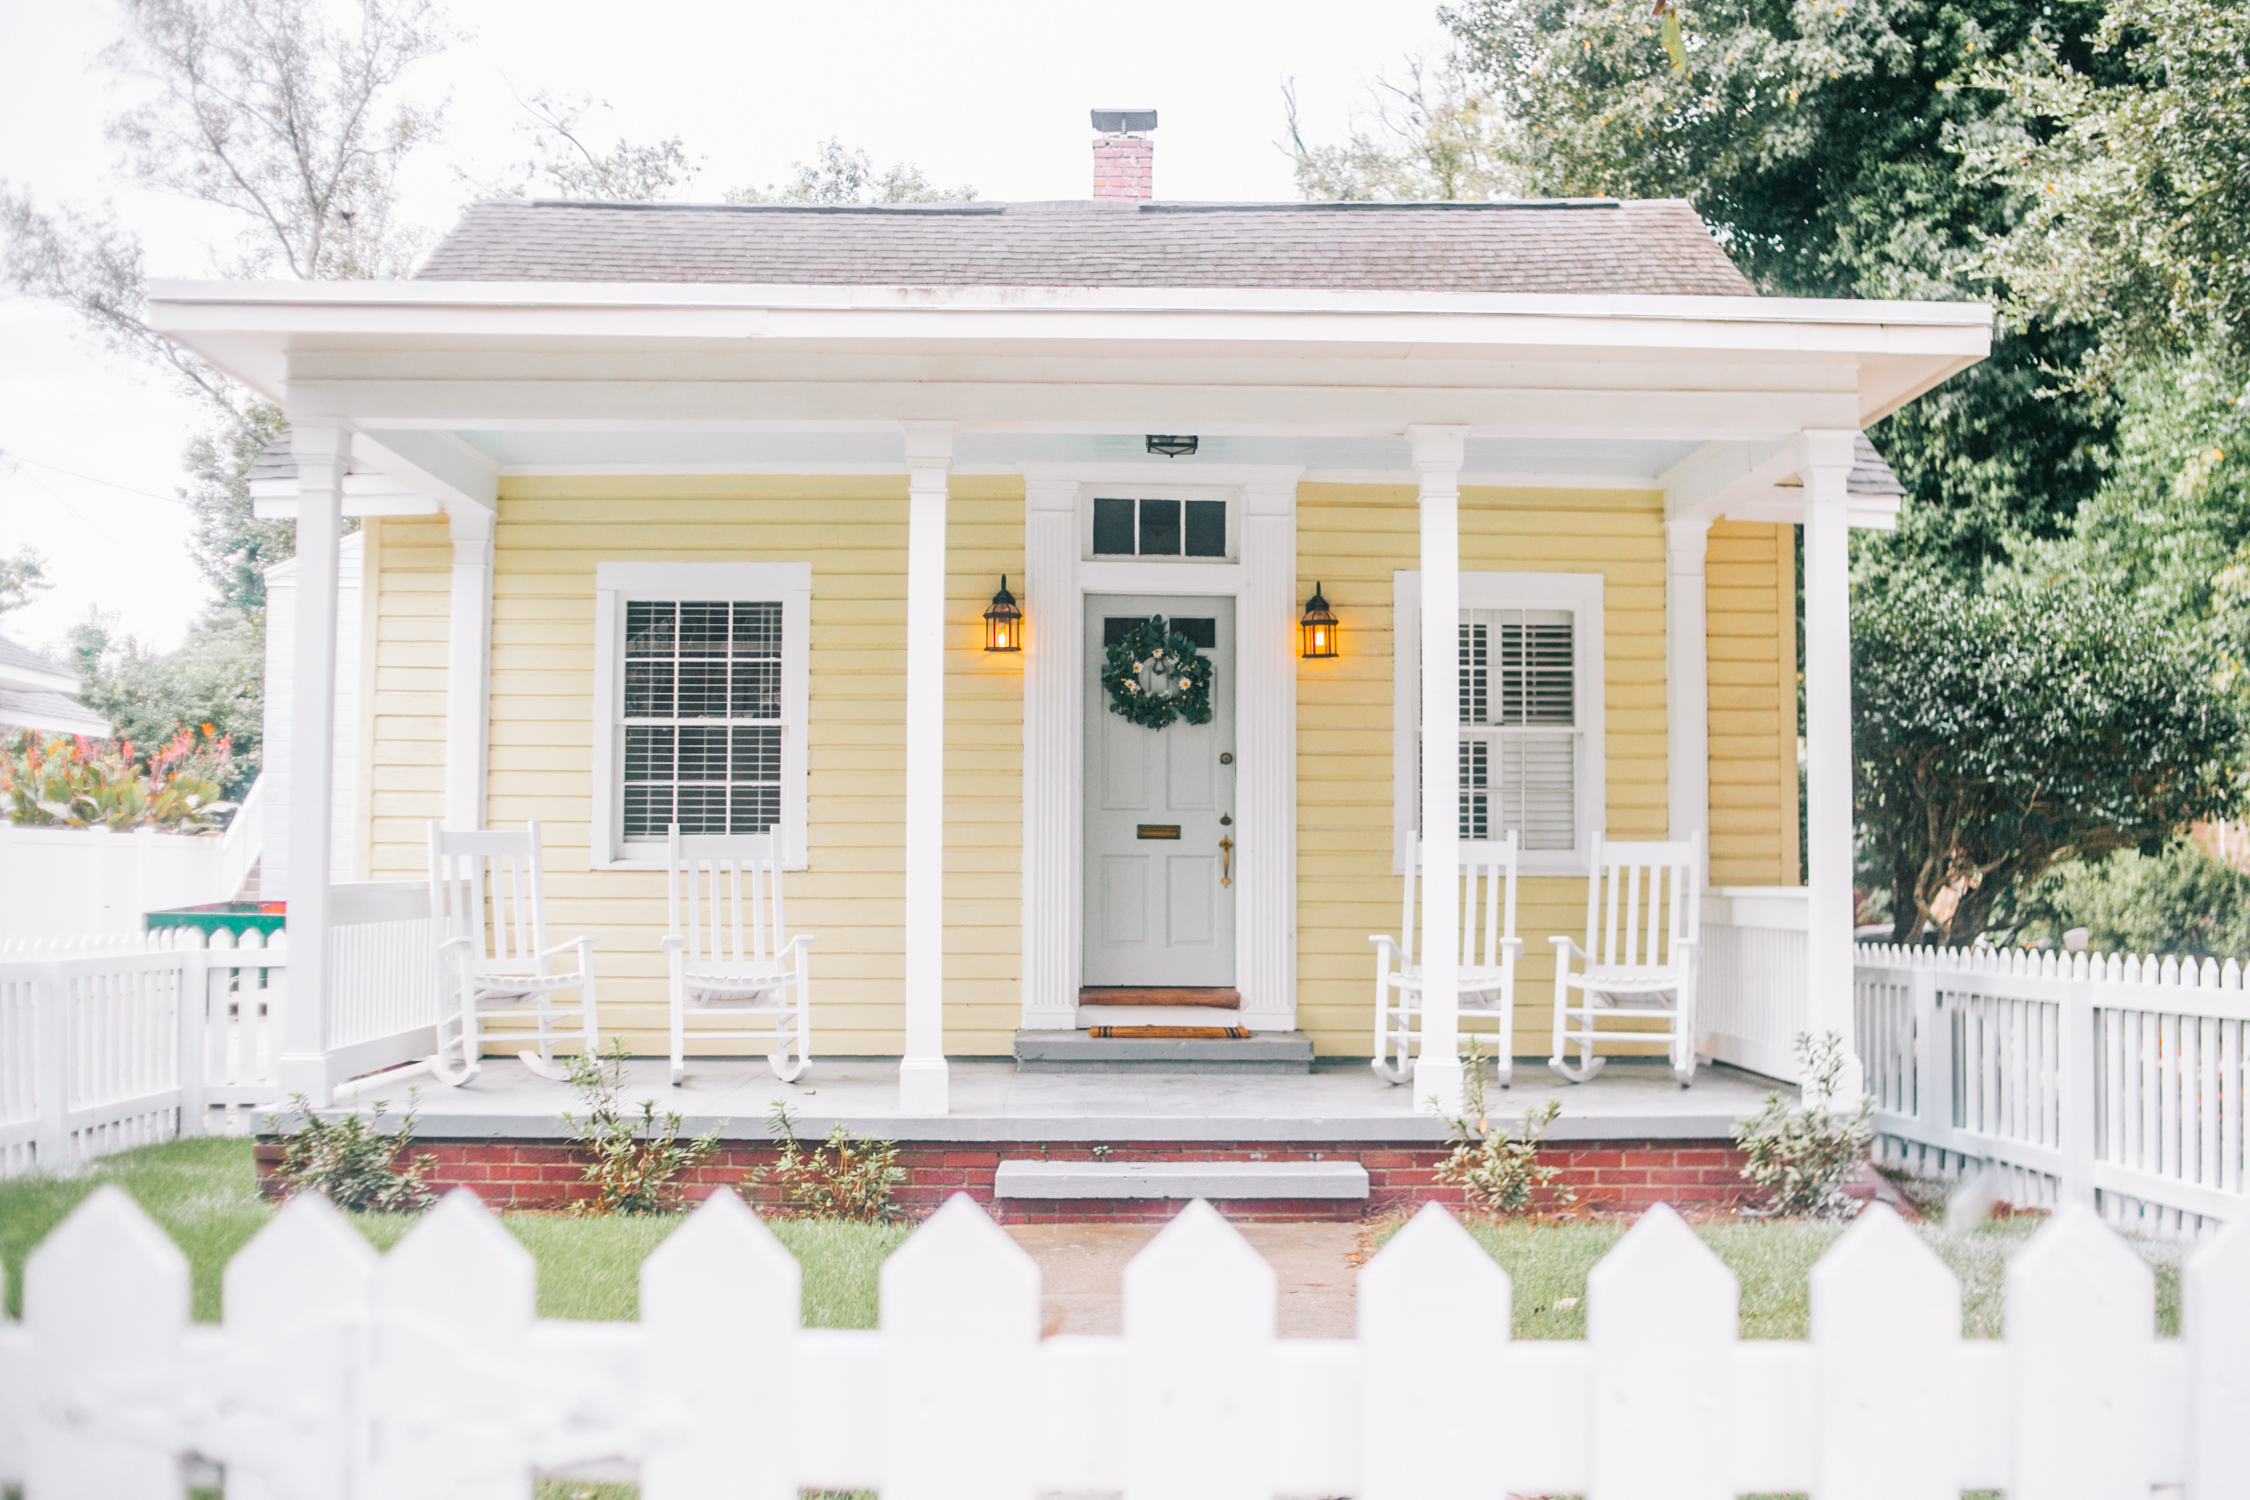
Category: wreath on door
<point>1154,676</point>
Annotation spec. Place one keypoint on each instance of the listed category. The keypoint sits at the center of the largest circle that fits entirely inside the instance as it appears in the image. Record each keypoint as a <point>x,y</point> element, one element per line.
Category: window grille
<point>702,714</point>
<point>1519,727</point>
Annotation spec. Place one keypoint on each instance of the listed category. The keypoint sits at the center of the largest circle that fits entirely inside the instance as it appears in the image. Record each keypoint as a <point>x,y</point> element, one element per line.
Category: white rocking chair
<point>1636,966</point>
<point>1489,950</point>
<point>489,896</point>
<point>729,960</point>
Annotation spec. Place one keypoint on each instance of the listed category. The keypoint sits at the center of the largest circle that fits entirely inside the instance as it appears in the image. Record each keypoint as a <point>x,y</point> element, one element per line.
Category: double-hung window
<point>1529,651</point>
<point>701,685</point>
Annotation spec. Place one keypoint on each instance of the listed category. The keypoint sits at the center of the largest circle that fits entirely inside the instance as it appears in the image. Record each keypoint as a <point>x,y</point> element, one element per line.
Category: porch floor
<point>1339,1100</point>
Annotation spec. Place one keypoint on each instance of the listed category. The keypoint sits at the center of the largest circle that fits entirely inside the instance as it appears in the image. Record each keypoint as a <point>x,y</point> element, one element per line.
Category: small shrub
<point>634,1165</point>
<point>1803,1154</point>
<point>352,1163</point>
<point>1497,1172</point>
<point>852,1180</point>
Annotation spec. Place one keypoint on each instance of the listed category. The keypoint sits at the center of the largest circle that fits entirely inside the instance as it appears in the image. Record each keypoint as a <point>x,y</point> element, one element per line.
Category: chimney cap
<point>1124,121</point>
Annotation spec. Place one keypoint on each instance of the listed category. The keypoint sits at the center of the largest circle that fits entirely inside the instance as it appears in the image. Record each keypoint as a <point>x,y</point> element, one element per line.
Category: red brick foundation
<point>1614,1175</point>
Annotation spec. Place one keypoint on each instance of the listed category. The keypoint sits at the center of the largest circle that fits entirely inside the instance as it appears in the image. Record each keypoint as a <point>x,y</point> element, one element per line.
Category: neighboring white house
<point>36,693</point>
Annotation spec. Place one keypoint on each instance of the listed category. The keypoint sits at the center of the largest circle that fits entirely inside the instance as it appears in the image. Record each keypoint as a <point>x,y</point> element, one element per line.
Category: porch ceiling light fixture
<point>1171,445</point>
<point>1003,623</point>
<point>1317,631</point>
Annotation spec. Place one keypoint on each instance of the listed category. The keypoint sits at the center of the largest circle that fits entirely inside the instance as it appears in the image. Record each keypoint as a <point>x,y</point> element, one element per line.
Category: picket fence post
<point>721,1296</point>
<point>1886,1336</point>
<point>105,1300</point>
<point>51,1025</point>
<point>2074,1101</point>
<point>2081,1310</point>
<point>1933,1051</point>
<point>1199,1311</point>
<point>192,1007</point>
<point>293,1419</point>
<point>2215,1325</point>
<point>960,1323</point>
<point>1435,1314</point>
<point>1661,1315</point>
<point>453,1307</point>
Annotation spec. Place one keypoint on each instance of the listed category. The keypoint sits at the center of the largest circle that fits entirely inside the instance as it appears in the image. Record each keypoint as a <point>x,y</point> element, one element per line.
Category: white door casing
<point>1058,575</point>
<point>1159,811</point>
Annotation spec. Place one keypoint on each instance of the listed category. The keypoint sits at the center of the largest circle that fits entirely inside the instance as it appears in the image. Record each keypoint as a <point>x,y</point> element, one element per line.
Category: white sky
<point>993,94</point>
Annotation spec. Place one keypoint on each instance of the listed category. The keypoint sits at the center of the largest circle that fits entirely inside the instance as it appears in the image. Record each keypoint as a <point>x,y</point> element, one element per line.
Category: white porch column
<point>468,668</point>
<point>1052,818</point>
<point>921,1073</point>
<point>323,454</point>
<point>1438,453</point>
<point>1825,468</point>
<point>1265,783</point>
<point>1687,698</point>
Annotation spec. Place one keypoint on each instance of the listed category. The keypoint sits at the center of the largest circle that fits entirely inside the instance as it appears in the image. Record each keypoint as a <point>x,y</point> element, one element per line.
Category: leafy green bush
<point>216,677</point>
<point>1498,1173</point>
<point>352,1163</point>
<point>2000,733</point>
<point>852,1181</point>
<point>2177,900</point>
<point>74,782</point>
<point>1804,1154</point>
<point>635,1165</point>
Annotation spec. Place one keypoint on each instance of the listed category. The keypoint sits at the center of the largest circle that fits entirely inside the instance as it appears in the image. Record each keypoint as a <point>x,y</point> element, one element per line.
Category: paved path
<point>1082,1267</point>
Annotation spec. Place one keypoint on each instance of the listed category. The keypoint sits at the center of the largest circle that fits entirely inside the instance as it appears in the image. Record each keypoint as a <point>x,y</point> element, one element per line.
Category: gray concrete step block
<point>1180,1179</point>
<point>1078,1052</point>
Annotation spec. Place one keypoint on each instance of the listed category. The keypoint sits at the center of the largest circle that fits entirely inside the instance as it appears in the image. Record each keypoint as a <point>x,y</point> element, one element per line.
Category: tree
<point>2003,732</point>
<point>561,159</point>
<point>1437,136</point>
<point>840,175</point>
<point>230,544</point>
<point>1822,145</point>
<point>2135,168</point>
<point>21,577</point>
<point>216,677</point>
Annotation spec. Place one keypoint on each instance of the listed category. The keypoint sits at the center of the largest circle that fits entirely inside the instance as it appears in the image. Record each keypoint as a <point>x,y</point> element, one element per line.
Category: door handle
<point>1226,861</point>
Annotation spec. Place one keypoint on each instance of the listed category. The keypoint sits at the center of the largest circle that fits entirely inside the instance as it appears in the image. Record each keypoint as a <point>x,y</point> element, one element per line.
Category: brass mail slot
<point>1157,831</point>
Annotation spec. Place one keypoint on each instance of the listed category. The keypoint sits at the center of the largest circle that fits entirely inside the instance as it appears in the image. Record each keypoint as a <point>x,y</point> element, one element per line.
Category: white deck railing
<point>1750,991</point>
<point>425,1372</point>
<point>113,1042</point>
<point>2089,1078</point>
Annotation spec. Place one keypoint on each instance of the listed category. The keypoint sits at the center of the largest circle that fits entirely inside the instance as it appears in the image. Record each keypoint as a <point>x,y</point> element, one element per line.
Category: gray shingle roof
<point>20,666</point>
<point>51,712</point>
<point>1585,246</point>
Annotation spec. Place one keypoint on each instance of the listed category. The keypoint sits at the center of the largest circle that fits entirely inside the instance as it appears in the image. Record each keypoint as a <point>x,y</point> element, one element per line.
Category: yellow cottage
<point>1148,426</point>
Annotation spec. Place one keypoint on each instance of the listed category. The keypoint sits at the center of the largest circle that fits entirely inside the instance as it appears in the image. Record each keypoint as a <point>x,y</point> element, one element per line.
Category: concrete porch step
<point>1180,1179</point>
<point>1077,1052</point>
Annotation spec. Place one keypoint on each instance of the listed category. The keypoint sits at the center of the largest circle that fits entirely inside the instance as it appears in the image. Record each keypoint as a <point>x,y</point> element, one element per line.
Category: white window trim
<point>617,582</point>
<point>1581,594</point>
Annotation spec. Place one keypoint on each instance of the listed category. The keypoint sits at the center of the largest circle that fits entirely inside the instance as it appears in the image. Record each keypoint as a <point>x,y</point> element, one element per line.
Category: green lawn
<point>204,1194</point>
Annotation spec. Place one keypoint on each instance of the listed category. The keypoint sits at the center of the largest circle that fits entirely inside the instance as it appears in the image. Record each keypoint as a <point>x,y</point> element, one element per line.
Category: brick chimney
<point>1124,156</point>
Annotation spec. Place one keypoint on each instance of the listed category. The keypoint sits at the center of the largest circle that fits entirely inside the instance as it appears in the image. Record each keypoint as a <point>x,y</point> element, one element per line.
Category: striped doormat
<point>1173,1033</point>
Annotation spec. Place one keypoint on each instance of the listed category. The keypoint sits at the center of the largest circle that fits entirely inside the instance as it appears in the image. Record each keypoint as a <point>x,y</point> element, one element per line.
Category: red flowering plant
<point>73,782</point>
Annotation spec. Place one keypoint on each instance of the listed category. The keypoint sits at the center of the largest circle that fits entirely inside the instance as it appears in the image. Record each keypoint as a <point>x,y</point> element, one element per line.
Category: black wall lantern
<point>1317,631</point>
<point>1171,445</point>
<point>1003,623</point>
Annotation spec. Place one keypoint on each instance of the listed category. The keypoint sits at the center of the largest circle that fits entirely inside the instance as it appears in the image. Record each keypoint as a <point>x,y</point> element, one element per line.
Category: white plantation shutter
<point>1520,729</point>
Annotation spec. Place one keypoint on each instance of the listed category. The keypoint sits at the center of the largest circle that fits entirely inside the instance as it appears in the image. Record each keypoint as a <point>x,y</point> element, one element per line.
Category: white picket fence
<point>2089,1078</point>
<point>111,1042</point>
<point>425,1373</point>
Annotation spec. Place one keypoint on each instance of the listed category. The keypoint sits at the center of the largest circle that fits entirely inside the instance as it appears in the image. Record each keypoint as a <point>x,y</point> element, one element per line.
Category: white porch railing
<point>1750,990</point>
<point>382,976</point>
<point>2099,1079</point>
<point>107,1043</point>
<point>425,1373</point>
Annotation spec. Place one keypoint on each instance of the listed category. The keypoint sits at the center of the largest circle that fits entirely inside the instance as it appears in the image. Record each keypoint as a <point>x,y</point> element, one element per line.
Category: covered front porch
<point>526,473</point>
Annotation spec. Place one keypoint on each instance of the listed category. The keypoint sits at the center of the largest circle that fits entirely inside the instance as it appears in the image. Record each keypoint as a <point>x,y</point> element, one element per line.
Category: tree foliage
<point>566,166</point>
<point>2001,732</point>
<point>230,544</point>
<point>838,174</point>
<point>23,575</point>
<point>1438,135</point>
<point>216,677</point>
<point>2135,169</point>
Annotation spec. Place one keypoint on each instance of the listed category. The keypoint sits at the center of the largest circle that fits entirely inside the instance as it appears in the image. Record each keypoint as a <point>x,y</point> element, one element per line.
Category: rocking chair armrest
<point>456,945</point>
<point>1383,940</point>
<point>671,942</point>
<point>1566,947</point>
<point>801,940</point>
<point>565,947</point>
<point>1511,949</point>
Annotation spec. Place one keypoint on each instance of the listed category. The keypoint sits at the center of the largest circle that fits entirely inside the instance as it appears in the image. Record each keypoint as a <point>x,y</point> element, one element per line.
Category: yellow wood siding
<point>1750,591</point>
<point>550,535</point>
<point>552,531</point>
